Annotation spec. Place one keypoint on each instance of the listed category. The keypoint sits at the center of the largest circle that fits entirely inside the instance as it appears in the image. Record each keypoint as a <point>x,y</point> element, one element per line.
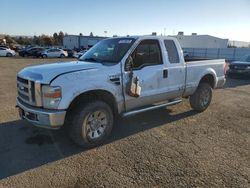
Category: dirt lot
<point>173,147</point>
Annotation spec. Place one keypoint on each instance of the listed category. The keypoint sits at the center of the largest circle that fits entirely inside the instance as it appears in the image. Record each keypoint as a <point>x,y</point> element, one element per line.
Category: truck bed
<point>195,70</point>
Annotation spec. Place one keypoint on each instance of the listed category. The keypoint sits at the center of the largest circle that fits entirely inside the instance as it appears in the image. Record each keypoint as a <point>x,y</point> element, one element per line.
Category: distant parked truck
<point>241,67</point>
<point>118,76</point>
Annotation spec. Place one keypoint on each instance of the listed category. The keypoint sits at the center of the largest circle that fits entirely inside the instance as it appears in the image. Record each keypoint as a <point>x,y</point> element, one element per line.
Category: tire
<point>62,56</point>
<point>202,97</point>
<point>91,124</point>
<point>44,56</point>
<point>9,55</point>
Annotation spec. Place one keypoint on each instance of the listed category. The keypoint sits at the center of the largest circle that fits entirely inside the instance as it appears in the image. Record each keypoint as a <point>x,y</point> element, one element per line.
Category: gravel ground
<point>173,147</point>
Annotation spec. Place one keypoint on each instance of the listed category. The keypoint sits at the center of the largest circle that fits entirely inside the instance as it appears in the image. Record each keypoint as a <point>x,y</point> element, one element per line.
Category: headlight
<point>51,96</point>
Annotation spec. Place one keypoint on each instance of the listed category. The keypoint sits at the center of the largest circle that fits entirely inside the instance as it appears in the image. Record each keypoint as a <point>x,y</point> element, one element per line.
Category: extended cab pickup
<point>118,76</point>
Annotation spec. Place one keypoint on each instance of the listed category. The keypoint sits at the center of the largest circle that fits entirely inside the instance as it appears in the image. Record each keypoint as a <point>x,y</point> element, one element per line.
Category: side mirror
<point>129,64</point>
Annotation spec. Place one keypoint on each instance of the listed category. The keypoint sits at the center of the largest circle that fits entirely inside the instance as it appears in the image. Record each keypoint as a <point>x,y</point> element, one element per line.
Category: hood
<point>46,73</point>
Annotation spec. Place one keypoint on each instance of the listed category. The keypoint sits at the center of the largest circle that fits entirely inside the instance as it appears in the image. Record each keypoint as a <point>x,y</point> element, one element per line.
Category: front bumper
<point>52,119</point>
<point>239,72</point>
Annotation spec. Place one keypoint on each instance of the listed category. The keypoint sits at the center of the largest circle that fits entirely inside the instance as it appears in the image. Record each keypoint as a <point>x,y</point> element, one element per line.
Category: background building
<point>80,42</point>
<point>200,41</point>
<point>239,44</point>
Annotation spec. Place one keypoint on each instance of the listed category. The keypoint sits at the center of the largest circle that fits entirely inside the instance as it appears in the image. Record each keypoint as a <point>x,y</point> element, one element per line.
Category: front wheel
<point>91,124</point>
<point>202,97</point>
<point>62,56</point>
<point>44,56</point>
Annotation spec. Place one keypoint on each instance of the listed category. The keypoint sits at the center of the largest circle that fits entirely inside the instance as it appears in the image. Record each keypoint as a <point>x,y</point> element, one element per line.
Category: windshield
<point>108,51</point>
<point>246,58</point>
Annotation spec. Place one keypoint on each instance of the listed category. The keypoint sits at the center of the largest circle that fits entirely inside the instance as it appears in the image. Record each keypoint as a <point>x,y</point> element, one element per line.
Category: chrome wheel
<point>96,124</point>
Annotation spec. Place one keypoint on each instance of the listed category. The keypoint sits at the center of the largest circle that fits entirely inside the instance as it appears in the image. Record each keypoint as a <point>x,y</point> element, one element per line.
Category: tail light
<point>226,67</point>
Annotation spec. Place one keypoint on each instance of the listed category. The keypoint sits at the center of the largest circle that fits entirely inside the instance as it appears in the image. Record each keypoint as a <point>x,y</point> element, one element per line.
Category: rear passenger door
<point>176,70</point>
<point>51,53</point>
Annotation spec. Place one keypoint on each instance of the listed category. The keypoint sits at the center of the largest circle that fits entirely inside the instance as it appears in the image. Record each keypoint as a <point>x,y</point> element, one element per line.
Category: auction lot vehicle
<point>54,52</point>
<point>241,67</point>
<point>79,54</point>
<point>6,52</point>
<point>118,76</point>
<point>33,52</point>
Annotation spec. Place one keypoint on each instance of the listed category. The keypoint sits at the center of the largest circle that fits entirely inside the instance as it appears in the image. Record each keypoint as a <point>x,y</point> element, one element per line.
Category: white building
<point>200,41</point>
<point>239,44</point>
<point>80,42</point>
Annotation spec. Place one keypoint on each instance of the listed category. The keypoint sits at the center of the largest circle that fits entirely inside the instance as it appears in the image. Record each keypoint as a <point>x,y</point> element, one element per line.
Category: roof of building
<point>193,36</point>
<point>84,36</point>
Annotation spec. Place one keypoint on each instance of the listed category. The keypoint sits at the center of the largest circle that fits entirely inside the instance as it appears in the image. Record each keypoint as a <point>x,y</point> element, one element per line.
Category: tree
<point>56,39</point>
<point>37,40</point>
<point>91,34</point>
<point>24,40</point>
<point>9,40</point>
<point>60,38</point>
<point>80,34</point>
<point>48,41</point>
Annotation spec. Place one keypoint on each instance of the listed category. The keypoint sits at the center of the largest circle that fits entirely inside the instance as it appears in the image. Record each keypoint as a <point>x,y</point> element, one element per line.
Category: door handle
<point>165,73</point>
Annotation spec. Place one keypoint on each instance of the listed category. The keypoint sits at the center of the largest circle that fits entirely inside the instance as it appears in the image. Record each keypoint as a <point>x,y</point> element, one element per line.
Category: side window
<point>173,55</point>
<point>148,52</point>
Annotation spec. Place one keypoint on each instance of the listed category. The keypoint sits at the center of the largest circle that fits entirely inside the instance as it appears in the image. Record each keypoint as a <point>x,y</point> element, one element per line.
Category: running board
<point>133,112</point>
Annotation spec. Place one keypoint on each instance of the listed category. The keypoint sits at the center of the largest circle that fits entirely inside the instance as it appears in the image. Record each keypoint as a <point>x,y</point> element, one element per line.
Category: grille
<point>26,90</point>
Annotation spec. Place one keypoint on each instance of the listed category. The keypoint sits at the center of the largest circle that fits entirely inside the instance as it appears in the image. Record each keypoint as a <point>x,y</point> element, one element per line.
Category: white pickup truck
<point>118,76</point>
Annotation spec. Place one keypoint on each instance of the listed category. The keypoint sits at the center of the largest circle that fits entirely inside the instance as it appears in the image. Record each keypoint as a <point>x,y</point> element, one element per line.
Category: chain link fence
<point>230,54</point>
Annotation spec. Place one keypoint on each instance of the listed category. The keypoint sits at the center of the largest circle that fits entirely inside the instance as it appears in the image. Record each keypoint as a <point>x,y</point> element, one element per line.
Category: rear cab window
<point>172,51</point>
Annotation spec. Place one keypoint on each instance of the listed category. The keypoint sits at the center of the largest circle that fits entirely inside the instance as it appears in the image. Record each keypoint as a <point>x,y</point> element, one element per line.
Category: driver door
<point>148,67</point>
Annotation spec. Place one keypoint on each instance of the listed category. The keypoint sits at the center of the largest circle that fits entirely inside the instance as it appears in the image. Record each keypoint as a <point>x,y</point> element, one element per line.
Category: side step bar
<point>133,112</point>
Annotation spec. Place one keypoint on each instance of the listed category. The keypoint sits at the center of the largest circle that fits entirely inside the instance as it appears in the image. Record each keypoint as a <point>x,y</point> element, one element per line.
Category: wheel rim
<point>205,97</point>
<point>96,124</point>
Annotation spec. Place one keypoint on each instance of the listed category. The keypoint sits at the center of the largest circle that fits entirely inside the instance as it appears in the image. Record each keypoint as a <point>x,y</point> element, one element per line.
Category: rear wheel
<point>202,97</point>
<point>44,56</point>
<point>9,55</point>
<point>91,124</point>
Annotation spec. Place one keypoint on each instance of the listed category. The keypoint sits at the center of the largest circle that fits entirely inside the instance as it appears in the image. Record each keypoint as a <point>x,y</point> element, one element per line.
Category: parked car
<point>241,67</point>
<point>54,53</point>
<point>4,46</point>
<point>70,52</point>
<point>32,51</point>
<point>185,54</point>
<point>118,76</point>
<point>7,52</point>
<point>79,54</point>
